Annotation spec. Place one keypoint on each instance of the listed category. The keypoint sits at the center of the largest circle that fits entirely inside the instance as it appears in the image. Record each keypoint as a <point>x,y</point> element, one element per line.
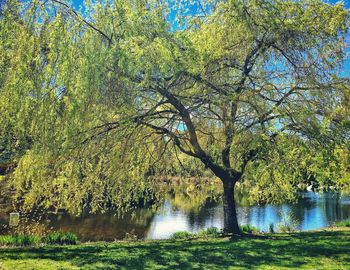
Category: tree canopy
<point>95,102</point>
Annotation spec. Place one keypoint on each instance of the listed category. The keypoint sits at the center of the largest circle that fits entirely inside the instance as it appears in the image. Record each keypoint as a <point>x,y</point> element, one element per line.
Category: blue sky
<point>346,67</point>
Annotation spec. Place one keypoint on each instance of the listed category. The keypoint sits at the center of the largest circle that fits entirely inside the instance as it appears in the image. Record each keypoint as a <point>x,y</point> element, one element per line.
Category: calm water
<point>312,211</point>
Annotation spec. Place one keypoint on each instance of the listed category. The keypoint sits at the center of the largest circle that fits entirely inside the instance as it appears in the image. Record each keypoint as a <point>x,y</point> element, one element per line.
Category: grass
<point>344,223</point>
<point>61,238</point>
<point>54,238</point>
<point>308,250</point>
<point>205,233</point>
<point>19,240</point>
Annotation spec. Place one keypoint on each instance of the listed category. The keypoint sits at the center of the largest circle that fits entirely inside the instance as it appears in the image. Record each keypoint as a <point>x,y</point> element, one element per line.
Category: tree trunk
<point>230,214</point>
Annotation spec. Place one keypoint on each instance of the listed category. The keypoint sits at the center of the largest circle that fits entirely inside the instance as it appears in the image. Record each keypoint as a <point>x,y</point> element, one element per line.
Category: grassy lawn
<point>309,250</point>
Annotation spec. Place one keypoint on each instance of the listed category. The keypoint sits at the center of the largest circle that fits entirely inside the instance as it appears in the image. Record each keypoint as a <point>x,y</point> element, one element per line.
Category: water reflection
<point>311,211</point>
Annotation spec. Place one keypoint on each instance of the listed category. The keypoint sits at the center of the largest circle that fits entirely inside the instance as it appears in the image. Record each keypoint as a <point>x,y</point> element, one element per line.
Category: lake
<point>311,211</point>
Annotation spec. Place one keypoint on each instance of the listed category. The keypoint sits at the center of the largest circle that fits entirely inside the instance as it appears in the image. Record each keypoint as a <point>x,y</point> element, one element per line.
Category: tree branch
<point>79,17</point>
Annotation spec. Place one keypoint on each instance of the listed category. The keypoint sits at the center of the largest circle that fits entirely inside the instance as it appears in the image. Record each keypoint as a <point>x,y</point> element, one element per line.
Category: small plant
<point>286,227</point>
<point>130,237</point>
<point>288,224</point>
<point>246,228</point>
<point>272,228</point>
<point>209,232</point>
<point>61,238</point>
<point>343,223</point>
<point>183,235</point>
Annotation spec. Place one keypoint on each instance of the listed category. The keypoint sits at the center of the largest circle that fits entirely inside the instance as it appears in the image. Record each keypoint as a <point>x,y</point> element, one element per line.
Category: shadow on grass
<point>290,251</point>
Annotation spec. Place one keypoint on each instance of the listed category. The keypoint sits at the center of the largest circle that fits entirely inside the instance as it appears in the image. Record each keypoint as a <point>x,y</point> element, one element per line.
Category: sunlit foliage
<point>95,106</point>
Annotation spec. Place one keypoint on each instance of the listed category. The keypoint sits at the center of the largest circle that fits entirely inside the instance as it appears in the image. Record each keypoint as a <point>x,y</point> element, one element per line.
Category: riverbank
<point>327,249</point>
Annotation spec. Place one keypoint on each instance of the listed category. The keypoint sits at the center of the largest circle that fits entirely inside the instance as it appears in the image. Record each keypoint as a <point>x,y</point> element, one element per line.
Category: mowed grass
<point>309,250</point>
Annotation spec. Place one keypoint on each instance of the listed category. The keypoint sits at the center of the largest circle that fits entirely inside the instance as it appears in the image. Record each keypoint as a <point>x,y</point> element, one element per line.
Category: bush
<point>61,238</point>
<point>246,228</point>
<point>19,240</point>
<point>209,232</point>
<point>343,223</point>
<point>182,235</point>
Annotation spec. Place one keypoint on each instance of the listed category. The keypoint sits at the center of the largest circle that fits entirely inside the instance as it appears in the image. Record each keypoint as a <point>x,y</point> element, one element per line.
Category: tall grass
<point>22,240</point>
<point>61,238</point>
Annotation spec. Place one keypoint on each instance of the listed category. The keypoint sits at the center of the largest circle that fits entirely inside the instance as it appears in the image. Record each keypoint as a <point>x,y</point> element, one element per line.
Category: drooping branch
<point>80,18</point>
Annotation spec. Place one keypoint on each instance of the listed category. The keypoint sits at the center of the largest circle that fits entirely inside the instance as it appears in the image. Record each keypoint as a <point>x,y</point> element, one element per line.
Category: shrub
<point>61,238</point>
<point>343,223</point>
<point>209,232</point>
<point>19,240</point>
<point>246,228</point>
<point>181,235</point>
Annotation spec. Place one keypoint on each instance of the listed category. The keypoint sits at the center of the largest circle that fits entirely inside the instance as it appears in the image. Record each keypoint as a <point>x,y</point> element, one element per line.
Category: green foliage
<point>271,228</point>
<point>343,223</point>
<point>246,228</point>
<point>19,240</point>
<point>182,235</point>
<point>61,238</point>
<point>209,232</point>
<point>91,114</point>
<point>54,238</point>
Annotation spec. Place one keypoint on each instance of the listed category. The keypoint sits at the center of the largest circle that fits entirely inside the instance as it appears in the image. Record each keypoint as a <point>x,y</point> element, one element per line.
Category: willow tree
<point>231,84</point>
